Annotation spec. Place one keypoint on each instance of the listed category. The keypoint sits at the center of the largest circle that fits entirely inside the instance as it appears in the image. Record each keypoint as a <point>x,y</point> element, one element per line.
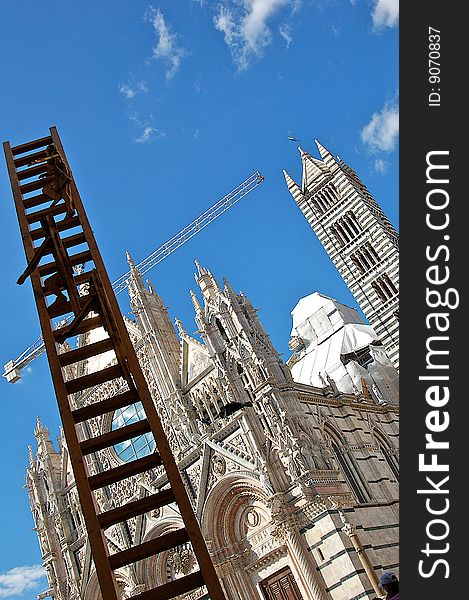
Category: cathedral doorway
<point>281,586</point>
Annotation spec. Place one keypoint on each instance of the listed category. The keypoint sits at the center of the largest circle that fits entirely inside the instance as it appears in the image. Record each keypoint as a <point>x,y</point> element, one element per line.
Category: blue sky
<point>162,110</point>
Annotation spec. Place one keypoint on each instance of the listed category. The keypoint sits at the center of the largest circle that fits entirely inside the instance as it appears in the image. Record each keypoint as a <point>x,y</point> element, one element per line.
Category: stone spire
<point>293,187</point>
<point>357,235</point>
<point>207,283</point>
<point>326,156</point>
<point>155,324</point>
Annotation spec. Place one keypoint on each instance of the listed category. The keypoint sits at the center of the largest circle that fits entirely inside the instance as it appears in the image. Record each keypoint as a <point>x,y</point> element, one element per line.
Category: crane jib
<point>12,369</point>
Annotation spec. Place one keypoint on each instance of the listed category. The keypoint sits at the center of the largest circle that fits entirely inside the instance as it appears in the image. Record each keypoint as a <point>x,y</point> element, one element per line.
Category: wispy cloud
<point>131,90</point>
<point>244,27</point>
<point>20,579</point>
<point>147,132</point>
<point>385,13</point>
<point>381,134</point>
<point>381,166</point>
<point>285,31</point>
<point>167,49</point>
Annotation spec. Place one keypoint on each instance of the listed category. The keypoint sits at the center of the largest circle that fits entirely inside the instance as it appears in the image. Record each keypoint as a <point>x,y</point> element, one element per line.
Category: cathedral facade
<point>295,486</point>
<point>294,479</point>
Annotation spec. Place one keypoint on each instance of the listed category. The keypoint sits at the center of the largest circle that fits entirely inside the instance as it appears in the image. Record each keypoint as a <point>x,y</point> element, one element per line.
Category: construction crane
<point>12,369</point>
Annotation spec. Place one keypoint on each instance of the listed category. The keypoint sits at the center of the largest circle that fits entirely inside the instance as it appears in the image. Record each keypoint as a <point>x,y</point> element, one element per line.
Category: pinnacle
<point>201,270</point>
<point>324,152</point>
<point>129,258</point>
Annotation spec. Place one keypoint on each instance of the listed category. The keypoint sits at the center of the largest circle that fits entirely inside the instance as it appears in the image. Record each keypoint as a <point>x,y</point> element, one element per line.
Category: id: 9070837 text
<point>434,67</point>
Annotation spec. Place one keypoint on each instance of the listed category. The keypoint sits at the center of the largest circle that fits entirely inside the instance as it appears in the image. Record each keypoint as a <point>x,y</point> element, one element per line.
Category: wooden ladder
<point>53,224</point>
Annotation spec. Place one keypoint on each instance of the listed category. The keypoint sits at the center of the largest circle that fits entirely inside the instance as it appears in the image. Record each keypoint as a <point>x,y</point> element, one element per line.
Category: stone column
<point>236,582</point>
<point>288,532</point>
<point>351,531</point>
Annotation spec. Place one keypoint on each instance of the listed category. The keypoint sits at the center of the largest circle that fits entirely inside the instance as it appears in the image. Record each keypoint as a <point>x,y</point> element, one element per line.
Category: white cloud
<point>147,132</point>
<point>20,579</point>
<point>385,13</point>
<point>381,166</point>
<point>244,27</point>
<point>166,49</point>
<point>130,91</point>
<point>382,132</point>
<point>285,32</point>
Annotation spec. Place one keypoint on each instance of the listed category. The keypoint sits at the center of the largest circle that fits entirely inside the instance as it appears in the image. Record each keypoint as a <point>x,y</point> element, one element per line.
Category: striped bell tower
<point>357,235</point>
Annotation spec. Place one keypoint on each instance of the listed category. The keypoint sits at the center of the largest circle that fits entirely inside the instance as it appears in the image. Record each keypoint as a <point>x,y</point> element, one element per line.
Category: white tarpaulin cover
<point>329,331</point>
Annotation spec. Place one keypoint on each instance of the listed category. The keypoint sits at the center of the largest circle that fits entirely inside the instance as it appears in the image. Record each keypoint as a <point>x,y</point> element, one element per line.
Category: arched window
<point>388,453</point>
<point>384,288</point>
<point>348,466</point>
<point>221,329</point>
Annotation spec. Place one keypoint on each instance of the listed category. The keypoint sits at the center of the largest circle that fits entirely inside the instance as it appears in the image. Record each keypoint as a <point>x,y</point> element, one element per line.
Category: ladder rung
<point>62,308</point>
<point>105,406</point>
<point>69,242</point>
<point>87,381</point>
<point>133,467</point>
<point>58,209</point>
<point>75,259</point>
<point>173,588</point>
<point>32,171</point>
<point>63,225</point>
<point>33,145</point>
<point>36,201</point>
<point>74,240</point>
<point>138,507</point>
<point>35,185</point>
<point>150,548</point>
<point>30,158</point>
<point>115,437</point>
<point>68,358</point>
<point>78,279</point>
<point>86,325</point>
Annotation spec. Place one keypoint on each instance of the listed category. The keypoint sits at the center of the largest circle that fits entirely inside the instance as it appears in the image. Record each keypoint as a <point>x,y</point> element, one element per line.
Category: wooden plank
<point>116,436</point>
<point>33,145</point>
<point>86,325</point>
<point>138,507</point>
<point>73,356</point>
<point>58,209</point>
<point>37,200</point>
<point>32,171</point>
<point>30,158</point>
<point>32,186</point>
<point>87,381</point>
<point>105,406</point>
<point>57,310</point>
<point>123,471</point>
<point>63,225</point>
<point>75,259</point>
<point>173,588</point>
<point>150,548</point>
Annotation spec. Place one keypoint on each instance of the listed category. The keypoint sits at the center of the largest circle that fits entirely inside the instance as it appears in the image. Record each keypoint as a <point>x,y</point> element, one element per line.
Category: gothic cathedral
<point>292,468</point>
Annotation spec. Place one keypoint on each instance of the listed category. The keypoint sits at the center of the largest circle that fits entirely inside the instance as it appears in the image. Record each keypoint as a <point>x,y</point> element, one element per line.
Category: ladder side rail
<point>195,535</point>
<point>88,503</point>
